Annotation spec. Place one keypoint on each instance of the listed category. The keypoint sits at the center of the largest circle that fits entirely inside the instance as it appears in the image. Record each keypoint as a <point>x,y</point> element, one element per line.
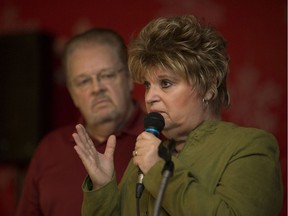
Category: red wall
<point>256,32</point>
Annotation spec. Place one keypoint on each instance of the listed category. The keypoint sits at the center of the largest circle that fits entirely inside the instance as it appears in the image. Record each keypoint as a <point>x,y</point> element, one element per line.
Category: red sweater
<point>55,175</point>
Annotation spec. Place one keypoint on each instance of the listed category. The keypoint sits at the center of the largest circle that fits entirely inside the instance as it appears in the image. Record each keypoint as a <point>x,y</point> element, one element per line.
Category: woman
<point>220,168</point>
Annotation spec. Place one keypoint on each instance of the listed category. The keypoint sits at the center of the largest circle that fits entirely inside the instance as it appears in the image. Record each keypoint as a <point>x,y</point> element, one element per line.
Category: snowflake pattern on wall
<point>253,99</point>
<point>208,9</point>
<point>10,20</point>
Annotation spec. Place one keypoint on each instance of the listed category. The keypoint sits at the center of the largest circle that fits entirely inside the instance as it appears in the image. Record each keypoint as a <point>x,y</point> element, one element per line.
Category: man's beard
<point>101,118</point>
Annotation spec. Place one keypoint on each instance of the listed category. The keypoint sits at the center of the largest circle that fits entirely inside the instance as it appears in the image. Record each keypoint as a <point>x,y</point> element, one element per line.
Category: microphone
<point>153,123</point>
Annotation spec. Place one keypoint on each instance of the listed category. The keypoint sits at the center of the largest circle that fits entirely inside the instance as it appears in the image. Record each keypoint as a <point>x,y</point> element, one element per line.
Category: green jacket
<point>222,170</point>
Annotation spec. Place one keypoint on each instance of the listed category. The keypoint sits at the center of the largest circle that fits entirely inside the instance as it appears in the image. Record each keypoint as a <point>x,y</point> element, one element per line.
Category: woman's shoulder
<point>235,130</point>
<point>246,137</point>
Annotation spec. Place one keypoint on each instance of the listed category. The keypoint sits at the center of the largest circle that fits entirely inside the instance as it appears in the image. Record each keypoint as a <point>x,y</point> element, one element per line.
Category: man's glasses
<point>105,77</point>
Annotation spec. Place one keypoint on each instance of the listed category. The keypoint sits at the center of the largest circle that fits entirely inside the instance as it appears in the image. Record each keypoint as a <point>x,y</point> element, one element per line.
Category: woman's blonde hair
<point>183,45</point>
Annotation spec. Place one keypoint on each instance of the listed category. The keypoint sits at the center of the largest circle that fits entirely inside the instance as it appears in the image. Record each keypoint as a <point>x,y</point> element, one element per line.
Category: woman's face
<point>177,100</point>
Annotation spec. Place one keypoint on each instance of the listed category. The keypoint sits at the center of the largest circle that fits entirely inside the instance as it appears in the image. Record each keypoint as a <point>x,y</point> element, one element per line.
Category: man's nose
<point>97,85</point>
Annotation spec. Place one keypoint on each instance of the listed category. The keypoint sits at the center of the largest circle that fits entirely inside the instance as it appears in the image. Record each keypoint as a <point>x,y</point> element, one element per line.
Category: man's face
<point>99,83</point>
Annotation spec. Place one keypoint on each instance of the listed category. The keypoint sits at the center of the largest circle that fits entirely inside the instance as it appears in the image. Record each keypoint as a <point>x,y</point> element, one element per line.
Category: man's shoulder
<point>60,133</point>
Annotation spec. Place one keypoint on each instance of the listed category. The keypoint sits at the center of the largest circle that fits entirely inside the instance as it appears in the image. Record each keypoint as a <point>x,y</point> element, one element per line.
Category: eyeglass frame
<point>105,77</point>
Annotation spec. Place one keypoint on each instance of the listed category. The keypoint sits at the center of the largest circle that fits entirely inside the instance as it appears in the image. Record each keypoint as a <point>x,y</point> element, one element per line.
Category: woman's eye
<point>166,83</point>
<point>146,85</point>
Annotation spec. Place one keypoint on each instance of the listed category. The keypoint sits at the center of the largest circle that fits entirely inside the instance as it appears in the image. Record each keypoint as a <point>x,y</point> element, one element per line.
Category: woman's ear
<point>208,95</point>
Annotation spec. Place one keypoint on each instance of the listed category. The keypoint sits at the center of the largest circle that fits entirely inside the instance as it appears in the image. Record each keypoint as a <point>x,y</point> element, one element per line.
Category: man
<point>100,86</point>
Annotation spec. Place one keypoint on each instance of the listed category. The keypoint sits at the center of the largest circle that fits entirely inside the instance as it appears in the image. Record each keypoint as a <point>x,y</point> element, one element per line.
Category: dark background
<point>34,99</point>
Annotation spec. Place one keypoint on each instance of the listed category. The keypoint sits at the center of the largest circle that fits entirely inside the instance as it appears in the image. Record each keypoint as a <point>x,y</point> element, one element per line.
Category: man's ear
<point>70,90</point>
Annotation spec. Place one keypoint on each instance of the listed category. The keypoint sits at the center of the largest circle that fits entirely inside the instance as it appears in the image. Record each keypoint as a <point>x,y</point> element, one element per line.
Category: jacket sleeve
<point>100,202</point>
<point>249,182</point>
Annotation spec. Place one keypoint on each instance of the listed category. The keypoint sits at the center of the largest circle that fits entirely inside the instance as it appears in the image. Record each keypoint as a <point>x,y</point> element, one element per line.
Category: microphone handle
<point>139,184</point>
<point>140,177</point>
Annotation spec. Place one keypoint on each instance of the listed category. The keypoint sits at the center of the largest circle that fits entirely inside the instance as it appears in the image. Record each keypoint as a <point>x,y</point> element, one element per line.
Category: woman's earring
<point>205,101</point>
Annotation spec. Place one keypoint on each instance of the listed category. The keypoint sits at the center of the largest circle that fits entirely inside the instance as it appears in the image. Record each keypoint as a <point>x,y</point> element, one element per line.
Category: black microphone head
<point>154,120</point>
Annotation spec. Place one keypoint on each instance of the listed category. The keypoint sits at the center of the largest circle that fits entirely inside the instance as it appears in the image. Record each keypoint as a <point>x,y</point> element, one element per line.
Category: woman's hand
<point>100,167</point>
<point>146,151</point>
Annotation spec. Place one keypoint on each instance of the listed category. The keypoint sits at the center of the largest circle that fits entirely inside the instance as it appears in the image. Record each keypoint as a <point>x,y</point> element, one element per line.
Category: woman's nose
<point>152,95</point>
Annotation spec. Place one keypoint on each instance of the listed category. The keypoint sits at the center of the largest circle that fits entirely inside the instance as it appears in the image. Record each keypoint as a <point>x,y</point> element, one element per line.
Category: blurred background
<point>34,99</point>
